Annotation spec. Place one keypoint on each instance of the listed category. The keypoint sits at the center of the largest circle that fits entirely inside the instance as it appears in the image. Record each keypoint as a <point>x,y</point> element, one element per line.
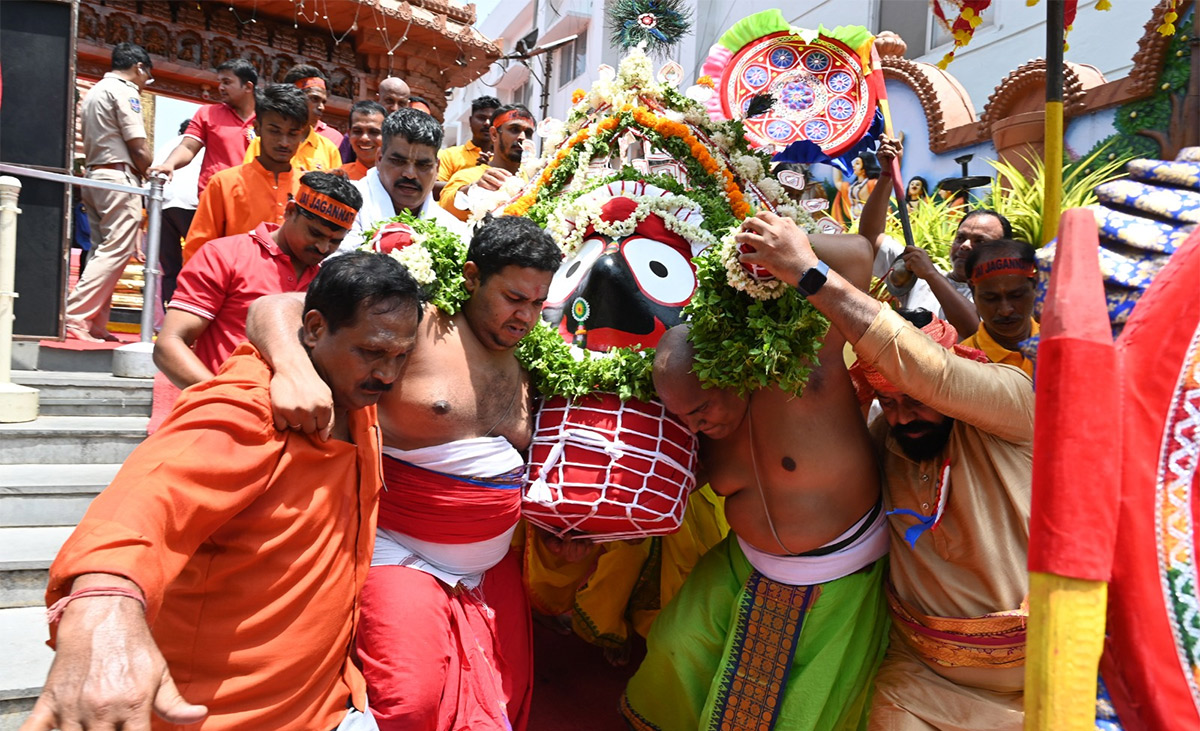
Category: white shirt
<point>377,206</point>
<point>181,190</point>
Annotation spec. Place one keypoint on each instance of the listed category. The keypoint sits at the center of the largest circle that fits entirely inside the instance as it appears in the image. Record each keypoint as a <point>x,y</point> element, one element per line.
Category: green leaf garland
<point>744,344</point>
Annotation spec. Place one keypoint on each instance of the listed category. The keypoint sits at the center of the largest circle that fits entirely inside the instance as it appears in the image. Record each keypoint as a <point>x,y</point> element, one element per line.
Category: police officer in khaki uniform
<point>115,151</point>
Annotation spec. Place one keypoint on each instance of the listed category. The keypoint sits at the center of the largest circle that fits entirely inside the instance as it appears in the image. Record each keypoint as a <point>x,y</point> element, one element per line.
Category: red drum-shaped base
<point>608,469</point>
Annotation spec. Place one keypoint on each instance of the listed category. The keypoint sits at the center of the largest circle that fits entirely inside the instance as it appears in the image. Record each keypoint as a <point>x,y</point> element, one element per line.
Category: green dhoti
<point>736,650</point>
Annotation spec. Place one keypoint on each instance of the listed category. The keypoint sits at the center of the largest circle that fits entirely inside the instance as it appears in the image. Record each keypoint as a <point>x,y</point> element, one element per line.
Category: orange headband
<point>1002,266</point>
<point>310,82</point>
<point>336,212</point>
<point>505,118</point>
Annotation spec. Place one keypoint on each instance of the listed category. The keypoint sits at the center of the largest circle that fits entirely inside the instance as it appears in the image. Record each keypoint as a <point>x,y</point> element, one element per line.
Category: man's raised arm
<point>998,400</point>
<point>300,399</point>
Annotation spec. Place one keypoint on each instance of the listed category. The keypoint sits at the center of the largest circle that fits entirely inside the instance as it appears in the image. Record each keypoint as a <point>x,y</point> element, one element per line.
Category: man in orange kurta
<point>511,132</point>
<point>239,198</point>
<point>245,546</point>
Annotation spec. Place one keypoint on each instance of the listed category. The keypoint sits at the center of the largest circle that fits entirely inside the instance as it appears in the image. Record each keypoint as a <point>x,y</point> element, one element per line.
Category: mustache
<point>914,429</point>
<point>374,384</point>
<point>407,183</point>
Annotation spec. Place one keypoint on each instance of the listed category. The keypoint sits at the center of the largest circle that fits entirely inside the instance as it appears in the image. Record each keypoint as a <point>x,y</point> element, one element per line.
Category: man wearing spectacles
<point>115,151</point>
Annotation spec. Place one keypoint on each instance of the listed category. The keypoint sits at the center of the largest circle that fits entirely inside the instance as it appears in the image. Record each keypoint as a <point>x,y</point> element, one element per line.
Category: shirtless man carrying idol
<point>792,599</point>
<point>445,635</point>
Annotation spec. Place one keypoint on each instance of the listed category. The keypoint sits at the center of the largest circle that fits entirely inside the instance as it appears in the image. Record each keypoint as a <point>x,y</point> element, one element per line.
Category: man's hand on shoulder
<point>778,244</point>
<point>107,671</point>
<point>302,402</point>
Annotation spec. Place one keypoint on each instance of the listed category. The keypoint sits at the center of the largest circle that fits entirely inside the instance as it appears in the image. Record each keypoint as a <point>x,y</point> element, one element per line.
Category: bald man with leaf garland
<point>786,619</point>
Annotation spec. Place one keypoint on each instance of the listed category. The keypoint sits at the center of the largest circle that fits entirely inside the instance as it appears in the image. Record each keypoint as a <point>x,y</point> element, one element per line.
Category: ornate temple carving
<point>356,43</point>
<point>1024,90</point>
<point>944,100</point>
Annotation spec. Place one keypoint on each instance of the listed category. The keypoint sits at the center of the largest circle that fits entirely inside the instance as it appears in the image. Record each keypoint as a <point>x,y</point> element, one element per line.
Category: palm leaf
<point>1020,197</point>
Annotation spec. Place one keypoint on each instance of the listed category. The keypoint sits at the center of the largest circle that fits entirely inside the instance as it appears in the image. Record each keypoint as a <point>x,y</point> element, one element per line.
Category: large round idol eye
<point>664,274</point>
<point>566,279</point>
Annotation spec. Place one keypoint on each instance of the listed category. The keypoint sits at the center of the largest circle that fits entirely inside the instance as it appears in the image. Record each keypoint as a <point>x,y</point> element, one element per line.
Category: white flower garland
<point>482,201</point>
<point>418,261</point>
<point>742,280</point>
<point>568,222</point>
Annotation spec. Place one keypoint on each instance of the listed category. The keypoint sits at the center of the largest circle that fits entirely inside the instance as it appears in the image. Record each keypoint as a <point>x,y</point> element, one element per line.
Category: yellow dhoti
<point>619,587</point>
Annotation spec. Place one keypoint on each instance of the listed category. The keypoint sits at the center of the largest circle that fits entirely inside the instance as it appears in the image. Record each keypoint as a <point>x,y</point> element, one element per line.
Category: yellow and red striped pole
<point>1052,200</point>
<point>1070,557</point>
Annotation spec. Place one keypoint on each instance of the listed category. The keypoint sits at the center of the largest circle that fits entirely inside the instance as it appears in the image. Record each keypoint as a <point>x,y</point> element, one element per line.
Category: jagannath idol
<point>642,187</point>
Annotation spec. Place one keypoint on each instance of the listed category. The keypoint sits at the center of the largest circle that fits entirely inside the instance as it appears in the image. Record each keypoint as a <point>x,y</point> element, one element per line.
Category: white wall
<point>1104,39</point>
<point>1015,35</point>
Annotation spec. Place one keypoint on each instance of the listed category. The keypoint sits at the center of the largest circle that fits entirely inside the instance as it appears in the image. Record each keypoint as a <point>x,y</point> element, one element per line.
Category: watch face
<point>813,279</point>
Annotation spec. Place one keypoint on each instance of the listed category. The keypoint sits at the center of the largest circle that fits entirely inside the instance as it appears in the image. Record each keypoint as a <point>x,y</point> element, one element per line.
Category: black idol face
<point>623,292</point>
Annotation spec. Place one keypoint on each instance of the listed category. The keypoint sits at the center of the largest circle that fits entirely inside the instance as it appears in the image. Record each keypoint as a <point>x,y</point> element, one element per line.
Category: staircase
<point>50,469</point>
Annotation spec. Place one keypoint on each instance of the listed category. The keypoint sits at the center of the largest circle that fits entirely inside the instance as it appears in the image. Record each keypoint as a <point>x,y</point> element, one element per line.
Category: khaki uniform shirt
<point>973,561</point>
<point>112,114</point>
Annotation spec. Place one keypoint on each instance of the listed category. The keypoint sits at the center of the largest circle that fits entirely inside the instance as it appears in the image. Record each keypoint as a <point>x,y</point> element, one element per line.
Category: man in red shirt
<point>366,137</point>
<point>222,130</point>
<point>224,562</point>
<point>206,319</point>
<point>241,197</point>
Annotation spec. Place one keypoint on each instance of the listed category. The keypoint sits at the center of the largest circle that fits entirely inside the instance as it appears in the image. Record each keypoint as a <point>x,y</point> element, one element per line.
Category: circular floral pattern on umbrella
<point>783,58</point>
<point>840,82</point>
<point>755,76</point>
<point>797,95</point>
<point>816,61</point>
<point>841,109</point>
<point>816,130</point>
<point>780,130</point>
<point>819,87</point>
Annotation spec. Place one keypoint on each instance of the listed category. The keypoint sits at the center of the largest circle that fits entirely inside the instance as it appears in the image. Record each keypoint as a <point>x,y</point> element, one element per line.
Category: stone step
<point>71,439</point>
<point>62,393</point>
<point>57,357</point>
<point>23,638</point>
<point>25,558</point>
<point>50,495</point>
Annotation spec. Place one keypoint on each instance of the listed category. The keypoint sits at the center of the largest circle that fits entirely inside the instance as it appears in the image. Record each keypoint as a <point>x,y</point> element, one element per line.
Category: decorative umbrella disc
<point>820,92</point>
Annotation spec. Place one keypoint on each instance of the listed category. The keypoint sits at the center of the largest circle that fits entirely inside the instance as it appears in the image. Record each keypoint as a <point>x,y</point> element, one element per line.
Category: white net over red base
<point>608,469</point>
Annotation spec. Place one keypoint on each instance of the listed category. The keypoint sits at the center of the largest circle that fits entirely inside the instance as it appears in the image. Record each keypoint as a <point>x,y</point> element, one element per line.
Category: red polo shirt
<point>221,281</point>
<point>328,132</point>
<point>225,137</point>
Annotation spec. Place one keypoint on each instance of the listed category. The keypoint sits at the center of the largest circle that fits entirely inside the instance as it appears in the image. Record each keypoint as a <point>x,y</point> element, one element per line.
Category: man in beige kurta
<point>115,151</point>
<point>956,588</point>
<point>955,440</point>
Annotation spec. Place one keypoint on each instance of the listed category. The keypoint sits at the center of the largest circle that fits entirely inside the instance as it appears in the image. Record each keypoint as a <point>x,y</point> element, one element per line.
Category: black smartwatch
<point>813,279</point>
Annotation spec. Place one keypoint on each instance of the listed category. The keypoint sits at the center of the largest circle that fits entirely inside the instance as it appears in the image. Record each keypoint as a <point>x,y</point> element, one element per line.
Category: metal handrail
<point>154,192</point>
